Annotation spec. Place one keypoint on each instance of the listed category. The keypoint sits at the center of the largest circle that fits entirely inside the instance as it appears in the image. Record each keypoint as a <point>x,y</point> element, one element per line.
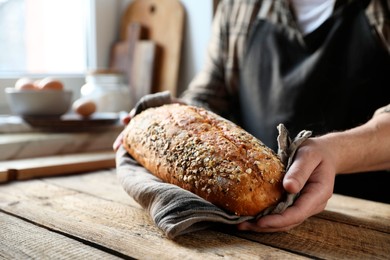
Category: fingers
<point>312,200</point>
<point>299,172</point>
<point>125,120</point>
<point>288,220</point>
<point>303,208</point>
<point>131,115</point>
<point>118,142</point>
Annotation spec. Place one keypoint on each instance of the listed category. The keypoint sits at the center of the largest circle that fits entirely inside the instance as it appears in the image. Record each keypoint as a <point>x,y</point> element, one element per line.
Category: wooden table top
<point>89,216</point>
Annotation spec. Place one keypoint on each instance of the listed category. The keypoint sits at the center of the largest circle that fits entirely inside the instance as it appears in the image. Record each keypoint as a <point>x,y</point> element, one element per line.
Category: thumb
<point>298,173</point>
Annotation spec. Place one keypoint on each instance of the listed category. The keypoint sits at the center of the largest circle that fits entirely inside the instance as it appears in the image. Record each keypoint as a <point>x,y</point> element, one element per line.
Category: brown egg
<point>25,84</point>
<point>84,107</point>
<point>50,84</point>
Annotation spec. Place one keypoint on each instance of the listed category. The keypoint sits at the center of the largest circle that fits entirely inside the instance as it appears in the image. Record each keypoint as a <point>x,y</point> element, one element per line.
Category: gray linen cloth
<point>177,211</point>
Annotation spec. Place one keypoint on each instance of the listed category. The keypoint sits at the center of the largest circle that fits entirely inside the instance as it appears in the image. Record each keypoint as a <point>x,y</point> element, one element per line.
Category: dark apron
<point>332,79</point>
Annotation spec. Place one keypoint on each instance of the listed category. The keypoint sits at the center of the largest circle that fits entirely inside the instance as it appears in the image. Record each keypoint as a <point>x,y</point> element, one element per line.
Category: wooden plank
<point>25,169</point>
<point>340,208</point>
<point>124,229</point>
<point>350,211</point>
<point>349,228</point>
<point>358,212</point>
<point>19,240</point>
<point>106,180</point>
<point>326,239</point>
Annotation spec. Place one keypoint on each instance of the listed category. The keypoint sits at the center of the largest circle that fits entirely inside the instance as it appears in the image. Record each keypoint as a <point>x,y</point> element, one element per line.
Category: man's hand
<point>312,174</point>
<point>125,120</point>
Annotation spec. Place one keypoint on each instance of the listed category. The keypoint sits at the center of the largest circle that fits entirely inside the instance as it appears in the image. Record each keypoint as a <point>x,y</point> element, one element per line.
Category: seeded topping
<point>201,152</point>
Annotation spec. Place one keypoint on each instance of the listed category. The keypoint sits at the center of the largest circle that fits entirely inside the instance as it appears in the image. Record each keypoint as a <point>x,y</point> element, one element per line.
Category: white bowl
<point>39,102</point>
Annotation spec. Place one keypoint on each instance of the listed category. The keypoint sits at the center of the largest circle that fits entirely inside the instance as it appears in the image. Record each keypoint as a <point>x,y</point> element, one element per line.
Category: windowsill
<point>18,140</point>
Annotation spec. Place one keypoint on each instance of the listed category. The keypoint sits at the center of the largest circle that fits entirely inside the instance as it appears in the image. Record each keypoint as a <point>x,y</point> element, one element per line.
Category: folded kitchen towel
<point>177,211</point>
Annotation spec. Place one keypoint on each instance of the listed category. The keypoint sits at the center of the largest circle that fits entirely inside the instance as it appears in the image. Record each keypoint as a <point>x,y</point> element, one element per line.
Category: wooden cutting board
<point>163,21</point>
<point>122,52</point>
<point>143,69</point>
<point>135,57</point>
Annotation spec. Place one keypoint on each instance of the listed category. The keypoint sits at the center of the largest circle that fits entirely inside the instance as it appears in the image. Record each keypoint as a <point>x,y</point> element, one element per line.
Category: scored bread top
<point>212,157</point>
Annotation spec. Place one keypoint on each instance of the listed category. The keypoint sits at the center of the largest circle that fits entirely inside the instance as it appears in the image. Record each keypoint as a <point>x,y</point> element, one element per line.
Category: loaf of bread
<point>212,157</point>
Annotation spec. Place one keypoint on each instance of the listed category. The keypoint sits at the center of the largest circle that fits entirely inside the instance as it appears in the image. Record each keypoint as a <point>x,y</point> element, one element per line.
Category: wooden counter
<point>89,216</point>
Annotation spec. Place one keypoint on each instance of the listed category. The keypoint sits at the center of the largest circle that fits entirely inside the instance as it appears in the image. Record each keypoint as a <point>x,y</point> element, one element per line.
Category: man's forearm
<point>364,148</point>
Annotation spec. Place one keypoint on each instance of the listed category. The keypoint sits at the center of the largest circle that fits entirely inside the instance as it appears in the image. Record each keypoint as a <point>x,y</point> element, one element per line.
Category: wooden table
<point>89,216</point>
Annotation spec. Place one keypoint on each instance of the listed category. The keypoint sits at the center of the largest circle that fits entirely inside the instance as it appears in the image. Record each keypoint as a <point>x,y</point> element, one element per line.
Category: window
<point>73,36</point>
<point>43,36</point>
<point>58,38</point>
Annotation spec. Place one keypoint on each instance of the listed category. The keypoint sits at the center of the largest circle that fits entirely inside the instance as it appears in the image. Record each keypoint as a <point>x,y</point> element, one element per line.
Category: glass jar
<point>108,90</point>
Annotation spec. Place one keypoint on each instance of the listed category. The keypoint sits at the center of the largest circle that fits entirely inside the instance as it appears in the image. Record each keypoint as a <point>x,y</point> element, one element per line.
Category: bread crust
<point>212,157</point>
